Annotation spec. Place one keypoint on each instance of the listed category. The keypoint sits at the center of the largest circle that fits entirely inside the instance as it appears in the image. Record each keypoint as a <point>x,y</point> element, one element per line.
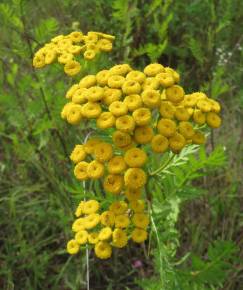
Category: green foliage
<point>195,208</point>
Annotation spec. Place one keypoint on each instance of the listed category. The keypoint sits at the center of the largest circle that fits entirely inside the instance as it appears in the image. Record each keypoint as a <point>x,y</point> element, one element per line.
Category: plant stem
<point>158,170</point>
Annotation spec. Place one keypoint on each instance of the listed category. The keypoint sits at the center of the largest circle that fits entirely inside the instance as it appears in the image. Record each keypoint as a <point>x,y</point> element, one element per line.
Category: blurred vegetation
<point>196,223</point>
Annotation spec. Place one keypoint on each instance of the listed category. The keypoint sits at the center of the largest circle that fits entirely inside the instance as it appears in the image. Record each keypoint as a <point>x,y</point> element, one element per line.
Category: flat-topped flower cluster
<point>144,112</point>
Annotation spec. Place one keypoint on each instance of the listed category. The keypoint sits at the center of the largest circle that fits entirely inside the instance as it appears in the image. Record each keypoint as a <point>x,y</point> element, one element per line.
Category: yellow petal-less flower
<point>159,143</point>
<point>91,110</point>
<point>80,170</point>
<point>107,218</point>
<point>74,114</point>
<point>118,207</point>
<point>72,68</point>
<point>116,165</point>
<point>177,142</point>
<point>213,120</point>
<point>116,81</point>
<point>125,123</point>
<point>153,69</point>
<point>142,116</point>
<point>186,129</point>
<point>121,139</point>
<point>93,238</point>
<point>135,157</point>
<point>90,145</point>
<point>111,95</point>
<point>102,77</point>
<point>133,194</point>
<point>113,183</point>
<point>95,169</point>
<point>92,220</point>
<point>120,69</point>
<point>103,250</point>
<point>130,87</point>
<point>133,102</point>
<point>151,98</point>
<point>72,247</point>
<point>139,235</point>
<point>143,134</point>
<point>105,234</point>
<point>95,93</point>
<point>87,81</point>
<point>166,127</point>
<point>137,205</point>
<point>103,152</point>
<point>122,221</point>
<point>78,225</point>
<point>105,120</point>
<point>135,178</point>
<point>118,108</point>
<point>199,117</point>
<point>198,138</point>
<point>91,206</point>
<point>167,110</point>
<point>136,76</point>
<point>175,94</point>
<point>119,238</point>
<point>81,237</point>
<point>165,79</point>
<point>140,220</point>
<point>182,114</point>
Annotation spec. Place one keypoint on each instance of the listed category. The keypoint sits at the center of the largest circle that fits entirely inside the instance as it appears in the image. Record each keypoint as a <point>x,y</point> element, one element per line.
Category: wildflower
<point>151,98</point>
<point>143,134</point>
<point>91,110</point>
<point>186,129</point>
<point>140,220</point>
<point>50,57</point>
<point>95,93</point>
<point>116,81</point>
<point>122,221</point>
<point>81,237</point>
<point>74,114</point>
<point>104,45</point>
<point>167,110</point>
<point>204,105</point>
<point>72,247</point>
<point>153,69</point>
<point>121,139</point>
<point>135,178</point>
<point>165,79</point>
<point>120,69</point>
<point>113,183</point>
<point>136,76</point>
<point>133,102</point>
<point>139,235</point>
<point>119,238</point>
<point>190,100</point>
<point>90,145</point>
<point>78,225</point>
<point>78,154</point>
<point>79,209</point>
<point>213,120</point>
<point>102,77</point>
<point>175,94</point>
<point>215,106</point>
<point>92,220</point>
<point>135,157</point>
<point>199,117</point>
<point>137,205</point>
<point>133,193</point>
<point>87,81</point>
<point>91,206</point>
<point>125,123</point>
<point>116,165</point>
<point>105,234</point>
<point>130,87</point>
<point>107,218</point>
<point>177,142</point>
<point>118,108</point>
<point>151,83</point>
<point>198,138</point>
<point>76,36</point>
<point>72,67</point>
<point>159,143</point>
<point>79,96</point>
<point>142,116</point>
<point>93,238</point>
<point>105,120</point>
<point>118,207</point>
<point>111,95</point>
<point>166,127</point>
<point>39,60</point>
<point>80,170</point>
<point>103,152</point>
<point>71,91</point>
<point>181,113</point>
<point>65,58</point>
<point>103,250</point>
<point>89,54</point>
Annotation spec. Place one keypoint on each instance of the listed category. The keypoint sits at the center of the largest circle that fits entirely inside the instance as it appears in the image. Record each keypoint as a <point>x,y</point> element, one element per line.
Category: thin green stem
<point>163,166</point>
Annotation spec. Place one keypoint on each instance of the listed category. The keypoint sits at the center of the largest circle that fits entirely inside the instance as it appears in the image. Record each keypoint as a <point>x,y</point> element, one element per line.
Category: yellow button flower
<point>204,105</point>
<point>79,209</point>
<point>91,206</point>
<point>50,57</point>
<point>95,94</point>
<point>116,165</point>
<point>122,221</point>
<point>135,157</point>
<point>213,120</point>
<point>105,120</point>
<point>72,247</point>
<point>153,69</point>
<point>39,60</point>
<point>78,225</point>
<point>93,238</point>
<point>103,152</point>
<point>125,123</point>
<point>121,139</point>
<point>159,143</point>
<point>137,205</point>
<point>95,169</point>
<point>120,69</point>
<point>92,220</point>
<point>151,84</point>
<point>198,138</point>
<point>139,235</point>
<point>102,77</point>
<point>116,81</point>
<point>111,95</point>
<point>136,76</point>
<point>151,98</point>
<point>105,234</point>
<point>142,116</point>
<point>65,58</point>
<point>167,110</point>
<point>135,178</point>
<point>78,154</point>
<point>130,87</point>
<point>72,68</point>
<point>133,194</point>
<point>80,170</point>
<point>76,36</point>
<point>89,54</point>
<point>182,114</point>
<point>87,81</point>
<point>140,220</point>
<point>74,114</point>
<point>81,237</point>
<point>190,101</point>
<point>91,110</point>
<point>215,106</point>
<point>103,250</point>
<point>173,73</point>
<point>107,218</point>
<point>119,238</point>
<point>166,127</point>
<point>79,96</point>
<point>104,45</point>
<point>118,207</point>
<point>199,117</point>
<point>133,102</point>
<point>175,94</point>
<point>186,129</point>
<point>71,91</point>
<point>113,183</point>
<point>165,79</point>
<point>90,145</point>
<point>177,142</point>
<point>143,134</point>
<point>118,108</point>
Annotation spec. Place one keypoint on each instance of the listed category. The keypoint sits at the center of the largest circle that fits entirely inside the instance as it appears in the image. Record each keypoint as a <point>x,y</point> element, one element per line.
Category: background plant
<point>202,39</point>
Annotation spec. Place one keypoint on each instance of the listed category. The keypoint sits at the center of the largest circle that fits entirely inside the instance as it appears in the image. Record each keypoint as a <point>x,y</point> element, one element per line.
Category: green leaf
<point>46,29</point>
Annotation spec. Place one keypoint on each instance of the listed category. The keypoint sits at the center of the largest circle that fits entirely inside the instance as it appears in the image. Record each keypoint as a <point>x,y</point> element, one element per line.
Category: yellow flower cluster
<point>64,49</point>
<point>110,228</point>
<point>139,108</point>
<point>146,107</point>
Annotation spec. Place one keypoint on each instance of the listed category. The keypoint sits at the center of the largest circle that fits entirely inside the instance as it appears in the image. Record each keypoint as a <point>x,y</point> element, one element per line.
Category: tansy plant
<point>144,112</point>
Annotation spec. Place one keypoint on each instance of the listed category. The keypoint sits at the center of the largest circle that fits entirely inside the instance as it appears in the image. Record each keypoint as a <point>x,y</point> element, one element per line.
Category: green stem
<point>162,167</point>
